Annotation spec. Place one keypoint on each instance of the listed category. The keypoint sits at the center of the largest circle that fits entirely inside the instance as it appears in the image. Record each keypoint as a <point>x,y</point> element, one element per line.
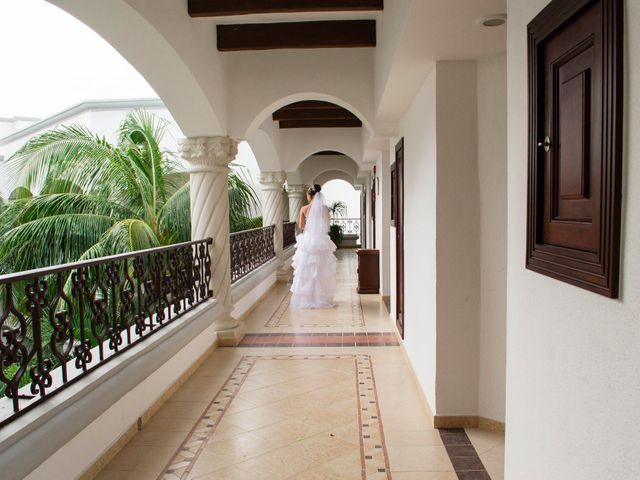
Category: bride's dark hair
<point>315,189</point>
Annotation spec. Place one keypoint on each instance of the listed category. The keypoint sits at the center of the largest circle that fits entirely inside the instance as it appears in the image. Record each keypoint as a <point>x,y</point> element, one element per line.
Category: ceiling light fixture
<point>492,20</point>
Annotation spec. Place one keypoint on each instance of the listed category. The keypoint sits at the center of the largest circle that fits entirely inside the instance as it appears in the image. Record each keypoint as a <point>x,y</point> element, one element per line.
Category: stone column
<point>273,212</point>
<point>297,200</point>
<point>208,161</point>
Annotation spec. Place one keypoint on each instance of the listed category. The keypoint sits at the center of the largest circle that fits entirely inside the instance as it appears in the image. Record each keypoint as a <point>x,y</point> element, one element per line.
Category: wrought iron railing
<point>250,249</point>
<point>288,234</point>
<point>350,226</point>
<point>59,323</point>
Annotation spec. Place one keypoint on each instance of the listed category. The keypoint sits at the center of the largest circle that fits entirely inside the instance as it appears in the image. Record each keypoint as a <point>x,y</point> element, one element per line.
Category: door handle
<point>546,144</point>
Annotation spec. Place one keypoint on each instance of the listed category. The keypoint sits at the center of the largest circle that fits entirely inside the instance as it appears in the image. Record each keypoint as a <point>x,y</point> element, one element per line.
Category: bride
<point>314,264</point>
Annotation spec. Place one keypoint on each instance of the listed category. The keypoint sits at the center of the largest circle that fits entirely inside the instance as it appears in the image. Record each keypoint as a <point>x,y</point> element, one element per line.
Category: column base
<point>284,275</point>
<point>231,337</point>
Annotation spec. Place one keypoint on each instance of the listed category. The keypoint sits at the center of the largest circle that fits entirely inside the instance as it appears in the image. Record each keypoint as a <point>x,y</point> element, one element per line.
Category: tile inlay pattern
<point>278,317</point>
<point>373,451</point>
<point>340,339</point>
<point>463,455</point>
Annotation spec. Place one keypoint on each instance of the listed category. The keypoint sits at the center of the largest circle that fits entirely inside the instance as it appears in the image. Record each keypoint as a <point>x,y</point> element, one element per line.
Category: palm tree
<point>338,209</point>
<point>95,199</point>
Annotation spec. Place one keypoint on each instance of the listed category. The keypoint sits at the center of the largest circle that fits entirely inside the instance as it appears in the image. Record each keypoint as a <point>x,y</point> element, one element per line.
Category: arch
<point>329,175</point>
<point>263,114</point>
<point>148,51</point>
<point>315,166</point>
<point>298,146</point>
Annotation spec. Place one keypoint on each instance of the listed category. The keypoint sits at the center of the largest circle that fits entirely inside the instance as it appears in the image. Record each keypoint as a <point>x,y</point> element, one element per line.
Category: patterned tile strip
<point>357,315</point>
<point>373,451</point>
<point>339,339</point>
<point>463,455</point>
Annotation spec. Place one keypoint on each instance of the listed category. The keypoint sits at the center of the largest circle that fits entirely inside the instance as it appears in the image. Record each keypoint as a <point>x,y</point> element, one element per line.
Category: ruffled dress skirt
<point>314,272</point>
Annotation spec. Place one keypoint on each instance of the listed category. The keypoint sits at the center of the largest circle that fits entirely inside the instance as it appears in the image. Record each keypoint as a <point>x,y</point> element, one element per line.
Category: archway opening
<point>345,203</point>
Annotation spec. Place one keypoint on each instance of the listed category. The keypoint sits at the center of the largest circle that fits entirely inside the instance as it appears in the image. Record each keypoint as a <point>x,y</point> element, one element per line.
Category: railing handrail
<point>17,276</point>
<point>250,230</point>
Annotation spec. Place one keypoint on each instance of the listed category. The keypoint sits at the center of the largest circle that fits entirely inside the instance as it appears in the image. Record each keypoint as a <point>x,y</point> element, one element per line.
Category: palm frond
<point>175,217</point>
<point>71,203</point>
<point>51,240</point>
<point>70,153</point>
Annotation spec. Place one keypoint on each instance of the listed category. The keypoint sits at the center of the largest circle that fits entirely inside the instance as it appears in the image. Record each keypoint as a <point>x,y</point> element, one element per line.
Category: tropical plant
<point>338,209</point>
<point>93,198</point>
<point>336,234</point>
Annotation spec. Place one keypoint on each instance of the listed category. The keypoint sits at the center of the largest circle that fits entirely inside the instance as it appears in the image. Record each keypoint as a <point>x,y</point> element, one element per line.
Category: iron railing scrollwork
<point>250,249</point>
<point>288,234</point>
<point>59,323</point>
<point>350,226</point>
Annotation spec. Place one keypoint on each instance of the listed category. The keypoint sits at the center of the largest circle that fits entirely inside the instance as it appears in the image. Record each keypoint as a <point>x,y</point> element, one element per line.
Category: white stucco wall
<point>492,174</point>
<point>455,237</point>
<point>418,127</point>
<point>457,247</point>
<point>573,382</point>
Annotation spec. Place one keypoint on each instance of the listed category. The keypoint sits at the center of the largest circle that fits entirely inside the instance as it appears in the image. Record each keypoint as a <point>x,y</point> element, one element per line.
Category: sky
<point>51,61</point>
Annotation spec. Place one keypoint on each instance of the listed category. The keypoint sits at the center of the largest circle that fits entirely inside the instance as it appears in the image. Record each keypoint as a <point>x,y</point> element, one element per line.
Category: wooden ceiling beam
<point>346,123</point>
<point>336,113</point>
<point>220,8</point>
<point>323,34</point>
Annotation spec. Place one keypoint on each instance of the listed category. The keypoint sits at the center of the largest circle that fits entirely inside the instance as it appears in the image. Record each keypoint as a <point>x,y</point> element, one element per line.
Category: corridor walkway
<point>320,395</point>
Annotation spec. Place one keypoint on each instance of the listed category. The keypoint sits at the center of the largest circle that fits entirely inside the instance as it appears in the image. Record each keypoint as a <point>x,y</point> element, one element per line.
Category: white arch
<point>260,116</point>
<point>316,165</point>
<point>302,144</point>
<point>329,175</point>
<point>148,50</point>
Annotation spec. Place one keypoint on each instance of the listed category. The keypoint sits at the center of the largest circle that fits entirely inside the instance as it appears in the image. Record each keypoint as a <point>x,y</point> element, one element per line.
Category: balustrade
<point>288,234</point>
<point>250,249</point>
<point>59,323</point>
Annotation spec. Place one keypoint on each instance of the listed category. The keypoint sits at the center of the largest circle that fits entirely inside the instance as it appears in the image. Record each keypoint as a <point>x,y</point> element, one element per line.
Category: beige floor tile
<point>425,476</point>
<point>419,458</point>
<point>413,438</point>
<point>254,418</point>
<point>143,458</point>
<point>124,475</point>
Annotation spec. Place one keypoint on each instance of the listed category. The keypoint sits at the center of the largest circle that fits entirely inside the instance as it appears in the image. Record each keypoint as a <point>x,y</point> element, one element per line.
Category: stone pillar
<point>273,213</point>
<point>285,206</point>
<point>208,161</point>
<point>297,200</point>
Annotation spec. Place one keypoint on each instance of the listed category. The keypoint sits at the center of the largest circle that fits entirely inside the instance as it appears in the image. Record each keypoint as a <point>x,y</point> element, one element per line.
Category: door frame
<point>398,216</point>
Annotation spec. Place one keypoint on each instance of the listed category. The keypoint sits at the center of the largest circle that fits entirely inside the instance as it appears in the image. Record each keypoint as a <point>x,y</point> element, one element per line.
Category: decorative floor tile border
<point>357,314</point>
<point>463,455</point>
<point>339,339</point>
<point>373,451</point>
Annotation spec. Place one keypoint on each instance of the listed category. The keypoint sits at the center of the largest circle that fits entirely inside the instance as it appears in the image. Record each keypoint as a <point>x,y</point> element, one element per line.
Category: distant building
<point>102,117</point>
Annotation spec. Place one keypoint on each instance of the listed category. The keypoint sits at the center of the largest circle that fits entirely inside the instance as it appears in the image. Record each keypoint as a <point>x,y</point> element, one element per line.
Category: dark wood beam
<point>328,152</point>
<point>347,123</point>
<point>268,36</point>
<point>336,113</point>
<point>219,8</point>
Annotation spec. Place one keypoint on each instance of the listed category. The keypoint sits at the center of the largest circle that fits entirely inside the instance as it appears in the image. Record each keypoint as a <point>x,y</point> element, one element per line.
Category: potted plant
<point>335,232</point>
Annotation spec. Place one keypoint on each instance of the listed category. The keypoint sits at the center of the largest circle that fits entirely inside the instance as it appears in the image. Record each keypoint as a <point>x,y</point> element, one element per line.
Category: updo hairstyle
<point>313,190</point>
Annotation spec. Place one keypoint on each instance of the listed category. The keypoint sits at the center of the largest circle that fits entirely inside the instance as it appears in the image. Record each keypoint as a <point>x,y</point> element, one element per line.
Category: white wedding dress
<point>314,264</point>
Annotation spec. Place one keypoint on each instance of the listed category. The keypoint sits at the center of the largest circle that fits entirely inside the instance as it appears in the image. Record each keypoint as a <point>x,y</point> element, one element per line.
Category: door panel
<point>399,222</point>
<point>575,143</point>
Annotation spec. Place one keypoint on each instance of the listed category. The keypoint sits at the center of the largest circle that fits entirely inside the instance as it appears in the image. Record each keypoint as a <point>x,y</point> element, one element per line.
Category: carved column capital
<point>296,191</point>
<point>208,153</point>
<point>272,180</point>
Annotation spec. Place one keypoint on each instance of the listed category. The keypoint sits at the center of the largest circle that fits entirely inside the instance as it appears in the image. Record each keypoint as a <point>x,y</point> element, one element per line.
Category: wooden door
<point>399,222</point>
<point>574,189</point>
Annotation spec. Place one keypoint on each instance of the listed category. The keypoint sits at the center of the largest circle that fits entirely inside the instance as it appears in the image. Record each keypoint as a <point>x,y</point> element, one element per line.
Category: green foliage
<point>81,197</point>
<point>336,234</point>
<point>338,209</point>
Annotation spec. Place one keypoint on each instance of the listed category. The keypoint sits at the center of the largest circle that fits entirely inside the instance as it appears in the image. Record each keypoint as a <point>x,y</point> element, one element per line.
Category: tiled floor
<point>346,411</point>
